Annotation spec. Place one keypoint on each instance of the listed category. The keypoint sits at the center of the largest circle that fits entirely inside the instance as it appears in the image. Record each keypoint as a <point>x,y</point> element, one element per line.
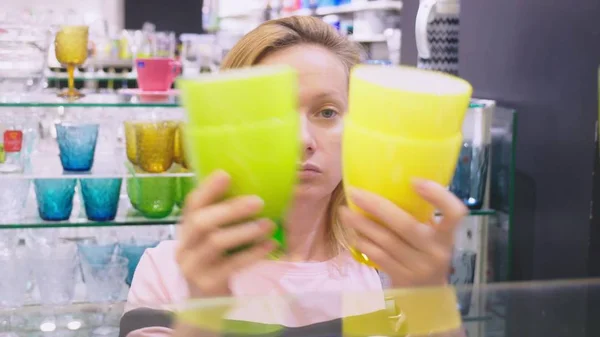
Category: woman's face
<point>323,99</point>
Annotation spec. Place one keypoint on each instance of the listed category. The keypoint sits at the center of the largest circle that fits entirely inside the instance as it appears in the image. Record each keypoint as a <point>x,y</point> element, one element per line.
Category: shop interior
<point>77,187</point>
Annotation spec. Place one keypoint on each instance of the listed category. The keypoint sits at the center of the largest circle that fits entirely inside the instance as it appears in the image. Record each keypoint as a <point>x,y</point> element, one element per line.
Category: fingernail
<point>255,200</point>
<point>420,185</point>
<point>264,224</point>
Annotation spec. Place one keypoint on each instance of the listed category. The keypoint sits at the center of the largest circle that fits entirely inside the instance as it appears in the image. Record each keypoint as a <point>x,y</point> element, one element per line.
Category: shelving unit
<point>111,110</point>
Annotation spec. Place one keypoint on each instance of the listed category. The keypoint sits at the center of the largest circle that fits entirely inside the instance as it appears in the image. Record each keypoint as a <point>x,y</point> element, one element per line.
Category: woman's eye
<point>327,113</point>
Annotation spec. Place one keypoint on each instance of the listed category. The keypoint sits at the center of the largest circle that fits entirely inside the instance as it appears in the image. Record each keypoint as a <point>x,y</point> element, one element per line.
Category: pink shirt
<point>158,281</point>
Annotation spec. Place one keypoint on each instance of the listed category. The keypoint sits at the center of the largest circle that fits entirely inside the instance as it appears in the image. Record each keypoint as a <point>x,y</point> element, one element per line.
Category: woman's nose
<point>308,141</point>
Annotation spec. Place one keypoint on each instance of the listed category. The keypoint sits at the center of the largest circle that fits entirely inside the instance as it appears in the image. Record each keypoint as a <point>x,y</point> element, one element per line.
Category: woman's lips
<point>308,170</point>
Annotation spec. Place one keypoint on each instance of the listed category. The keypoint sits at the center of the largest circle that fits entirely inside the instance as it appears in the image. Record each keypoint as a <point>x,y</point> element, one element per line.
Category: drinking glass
<point>14,282</point>
<point>184,186</point>
<point>178,152</point>
<point>101,197</point>
<point>55,271</point>
<point>96,253</point>
<point>254,138</point>
<point>55,198</point>
<point>130,143</point>
<point>403,123</point>
<point>154,197</point>
<point>155,145</point>
<point>133,253</point>
<point>77,145</point>
<point>71,48</point>
<point>13,199</point>
<point>105,280</point>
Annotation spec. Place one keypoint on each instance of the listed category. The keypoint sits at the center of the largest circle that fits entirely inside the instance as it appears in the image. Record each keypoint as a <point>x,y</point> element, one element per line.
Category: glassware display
<point>77,144</point>
<point>101,197</point>
<point>55,198</point>
<point>71,48</point>
<point>184,186</point>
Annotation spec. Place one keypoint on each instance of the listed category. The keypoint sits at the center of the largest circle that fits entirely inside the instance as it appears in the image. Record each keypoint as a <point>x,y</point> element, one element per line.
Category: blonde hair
<point>279,34</point>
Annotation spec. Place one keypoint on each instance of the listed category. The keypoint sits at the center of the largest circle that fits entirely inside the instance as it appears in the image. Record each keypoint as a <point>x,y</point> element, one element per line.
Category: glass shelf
<point>126,216</point>
<point>48,166</point>
<point>527,308</point>
<point>48,99</point>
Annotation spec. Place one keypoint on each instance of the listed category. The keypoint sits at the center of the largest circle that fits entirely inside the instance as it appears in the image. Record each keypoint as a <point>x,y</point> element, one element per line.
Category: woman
<point>318,225</point>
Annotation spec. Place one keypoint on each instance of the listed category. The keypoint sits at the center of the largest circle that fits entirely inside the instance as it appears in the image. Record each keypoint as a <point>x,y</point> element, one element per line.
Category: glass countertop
<point>561,308</point>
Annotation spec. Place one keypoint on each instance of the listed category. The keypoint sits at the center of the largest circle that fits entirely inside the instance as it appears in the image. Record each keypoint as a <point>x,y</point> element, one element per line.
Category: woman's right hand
<point>212,226</point>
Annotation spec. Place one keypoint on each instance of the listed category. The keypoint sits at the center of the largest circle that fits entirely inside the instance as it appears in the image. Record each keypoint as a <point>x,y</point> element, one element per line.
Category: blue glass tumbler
<point>77,145</point>
<point>101,197</point>
<point>55,198</point>
<point>133,253</point>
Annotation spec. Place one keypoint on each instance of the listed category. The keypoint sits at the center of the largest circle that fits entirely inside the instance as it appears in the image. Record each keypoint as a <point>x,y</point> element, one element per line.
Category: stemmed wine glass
<point>71,48</point>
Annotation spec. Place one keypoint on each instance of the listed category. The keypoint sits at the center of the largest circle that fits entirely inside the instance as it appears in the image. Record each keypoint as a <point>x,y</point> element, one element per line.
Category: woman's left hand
<point>409,252</point>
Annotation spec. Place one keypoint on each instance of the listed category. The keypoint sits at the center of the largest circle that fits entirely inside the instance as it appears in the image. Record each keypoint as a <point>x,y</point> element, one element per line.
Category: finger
<point>211,250</point>
<point>246,258</point>
<point>383,237</point>
<point>209,191</point>
<point>239,235</point>
<point>201,222</point>
<point>453,209</point>
<point>386,212</point>
<point>381,258</point>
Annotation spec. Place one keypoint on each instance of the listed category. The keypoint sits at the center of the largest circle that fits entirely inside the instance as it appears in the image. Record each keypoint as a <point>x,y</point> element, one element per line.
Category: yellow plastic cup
<point>246,123</point>
<point>408,102</point>
<point>403,123</point>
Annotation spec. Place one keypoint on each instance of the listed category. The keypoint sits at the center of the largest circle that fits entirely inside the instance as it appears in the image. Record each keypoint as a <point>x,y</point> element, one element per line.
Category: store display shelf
<point>49,99</point>
<point>48,166</point>
<point>92,77</point>
<point>387,5</point>
<point>127,216</point>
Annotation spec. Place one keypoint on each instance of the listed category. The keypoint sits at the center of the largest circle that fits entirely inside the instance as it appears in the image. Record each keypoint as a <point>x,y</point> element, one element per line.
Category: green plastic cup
<point>246,123</point>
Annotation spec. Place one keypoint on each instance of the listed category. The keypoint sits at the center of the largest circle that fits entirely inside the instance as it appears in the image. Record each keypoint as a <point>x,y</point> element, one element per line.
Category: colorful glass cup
<point>55,198</point>
<point>133,253</point>
<point>105,280</point>
<point>130,144</point>
<point>13,198</point>
<point>77,145</point>
<point>184,186</point>
<point>154,197</point>
<point>178,152</point>
<point>101,198</point>
<point>155,145</point>
<point>403,123</point>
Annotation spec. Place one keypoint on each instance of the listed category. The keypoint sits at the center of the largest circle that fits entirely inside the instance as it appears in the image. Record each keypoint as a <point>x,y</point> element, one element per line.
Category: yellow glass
<point>155,145</point>
<point>403,123</point>
<point>71,48</point>
<point>179,154</point>
<point>130,143</point>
